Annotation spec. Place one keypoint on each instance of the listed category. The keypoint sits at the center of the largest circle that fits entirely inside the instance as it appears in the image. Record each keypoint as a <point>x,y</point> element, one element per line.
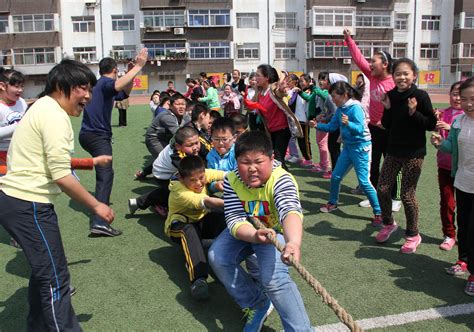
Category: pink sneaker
<point>385,232</point>
<point>447,244</point>
<point>410,245</point>
<point>316,168</point>
<point>328,208</point>
<point>458,269</point>
<point>306,163</point>
<point>327,175</point>
<point>377,221</point>
<point>469,290</point>
<point>162,211</point>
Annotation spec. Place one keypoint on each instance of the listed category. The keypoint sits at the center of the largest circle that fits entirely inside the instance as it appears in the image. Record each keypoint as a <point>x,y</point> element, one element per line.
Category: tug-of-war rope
<point>331,302</point>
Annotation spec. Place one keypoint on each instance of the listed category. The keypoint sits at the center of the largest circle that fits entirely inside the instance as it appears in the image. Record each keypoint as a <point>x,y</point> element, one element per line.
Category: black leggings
<point>280,140</point>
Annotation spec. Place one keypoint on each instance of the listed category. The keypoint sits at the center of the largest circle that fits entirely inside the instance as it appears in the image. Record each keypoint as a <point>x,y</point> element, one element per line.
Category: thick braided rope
<point>340,312</point>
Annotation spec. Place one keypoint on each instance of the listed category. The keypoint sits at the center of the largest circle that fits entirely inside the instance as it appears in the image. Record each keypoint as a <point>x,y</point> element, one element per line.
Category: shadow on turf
<point>220,308</point>
<point>422,273</point>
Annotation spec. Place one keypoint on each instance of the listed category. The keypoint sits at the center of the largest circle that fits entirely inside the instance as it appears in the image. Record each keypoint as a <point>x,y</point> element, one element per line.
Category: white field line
<point>405,318</point>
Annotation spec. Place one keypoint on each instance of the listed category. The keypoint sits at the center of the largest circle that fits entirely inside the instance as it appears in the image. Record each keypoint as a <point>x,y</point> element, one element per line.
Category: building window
<point>429,51</point>
<point>333,17</point>
<point>209,17</point>
<point>401,21</point>
<point>3,23</point>
<point>33,23</point>
<point>209,50</point>
<point>123,22</point>
<point>468,51</point>
<point>285,51</point>
<point>369,48</point>
<point>166,50</point>
<point>123,52</point>
<point>285,20</point>
<point>83,23</point>
<point>166,78</point>
<point>455,51</point>
<point>33,56</point>
<point>84,54</point>
<point>430,22</point>
<point>330,49</point>
<point>399,50</point>
<point>373,19</point>
<point>248,51</point>
<point>163,18</point>
<point>469,21</point>
<point>247,20</point>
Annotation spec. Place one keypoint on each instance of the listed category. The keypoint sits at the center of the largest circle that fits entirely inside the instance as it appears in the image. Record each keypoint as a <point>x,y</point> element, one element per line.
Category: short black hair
<point>341,88</point>
<point>253,141</point>
<point>67,75</point>
<point>215,114</point>
<point>175,97</point>
<point>240,121</point>
<point>223,123</point>
<point>407,61</point>
<point>183,133</point>
<point>11,76</point>
<point>198,109</point>
<point>190,164</point>
<point>455,85</point>
<point>466,84</point>
<point>106,65</point>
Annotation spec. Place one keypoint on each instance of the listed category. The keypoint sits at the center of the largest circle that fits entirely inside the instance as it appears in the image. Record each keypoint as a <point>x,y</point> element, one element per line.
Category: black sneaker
<point>105,230</point>
<point>199,289</point>
<point>72,290</point>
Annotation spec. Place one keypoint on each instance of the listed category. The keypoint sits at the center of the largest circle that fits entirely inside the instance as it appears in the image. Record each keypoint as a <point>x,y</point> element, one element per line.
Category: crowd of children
<point>220,158</point>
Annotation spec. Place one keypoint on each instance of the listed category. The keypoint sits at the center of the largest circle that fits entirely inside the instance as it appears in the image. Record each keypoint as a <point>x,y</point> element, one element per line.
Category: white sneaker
<point>294,160</point>
<point>365,203</point>
<point>396,205</point>
<point>132,205</point>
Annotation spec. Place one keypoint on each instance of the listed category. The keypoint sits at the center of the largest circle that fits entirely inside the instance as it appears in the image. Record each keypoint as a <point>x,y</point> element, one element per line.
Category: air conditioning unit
<point>179,31</point>
<point>239,44</point>
<point>90,3</point>
<point>164,29</point>
<point>347,61</point>
<point>360,1</point>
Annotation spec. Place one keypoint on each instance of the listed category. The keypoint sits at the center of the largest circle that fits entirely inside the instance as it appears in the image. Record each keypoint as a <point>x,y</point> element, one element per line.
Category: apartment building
<point>184,38</point>
<point>269,32</point>
<point>462,55</point>
<point>30,39</point>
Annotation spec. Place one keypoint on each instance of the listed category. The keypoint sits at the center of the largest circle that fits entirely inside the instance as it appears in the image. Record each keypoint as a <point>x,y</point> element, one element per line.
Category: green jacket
<point>311,99</point>
<point>450,144</point>
<point>211,99</point>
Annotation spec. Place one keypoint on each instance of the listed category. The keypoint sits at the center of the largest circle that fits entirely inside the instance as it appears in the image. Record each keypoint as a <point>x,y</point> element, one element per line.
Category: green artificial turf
<point>138,282</point>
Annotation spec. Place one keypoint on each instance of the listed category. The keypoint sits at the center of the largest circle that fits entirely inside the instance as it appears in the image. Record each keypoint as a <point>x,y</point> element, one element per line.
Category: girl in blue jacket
<point>350,119</point>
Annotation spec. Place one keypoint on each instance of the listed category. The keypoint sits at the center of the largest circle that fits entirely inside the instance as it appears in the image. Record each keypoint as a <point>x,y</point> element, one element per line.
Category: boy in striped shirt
<point>260,188</point>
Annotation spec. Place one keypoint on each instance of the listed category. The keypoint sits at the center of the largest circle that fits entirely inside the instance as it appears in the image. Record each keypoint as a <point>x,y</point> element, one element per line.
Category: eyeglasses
<point>224,140</point>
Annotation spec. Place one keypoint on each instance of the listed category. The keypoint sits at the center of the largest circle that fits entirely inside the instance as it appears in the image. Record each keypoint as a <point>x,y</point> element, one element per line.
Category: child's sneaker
<point>317,168</point>
<point>256,317</point>
<point>159,210</point>
<point>328,208</point>
<point>457,269</point>
<point>327,175</point>
<point>306,163</point>
<point>447,244</point>
<point>377,221</point>
<point>140,175</point>
<point>199,289</point>
<point>365,203</point>
<point>469,290</point>
<point>293,160</point>
<point>410,245</point>
<point>132,205</point>
<point>385,232</point>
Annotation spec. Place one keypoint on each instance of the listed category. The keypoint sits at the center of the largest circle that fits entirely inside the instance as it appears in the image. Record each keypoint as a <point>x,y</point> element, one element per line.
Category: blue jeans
<point>225,256</point>
<point>98,145</point>
<point>359,158</point>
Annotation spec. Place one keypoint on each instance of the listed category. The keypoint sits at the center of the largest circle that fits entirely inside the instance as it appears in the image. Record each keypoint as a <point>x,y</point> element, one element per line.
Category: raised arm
<point>356,54</point>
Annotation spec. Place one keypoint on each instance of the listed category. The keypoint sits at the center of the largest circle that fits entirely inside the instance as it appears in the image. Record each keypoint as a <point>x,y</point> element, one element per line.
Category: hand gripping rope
<point>331,302</point>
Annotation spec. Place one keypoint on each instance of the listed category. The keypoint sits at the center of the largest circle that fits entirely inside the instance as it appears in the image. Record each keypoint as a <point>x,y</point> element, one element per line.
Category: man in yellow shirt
<point>38,169</point>
<point>190,220</point>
